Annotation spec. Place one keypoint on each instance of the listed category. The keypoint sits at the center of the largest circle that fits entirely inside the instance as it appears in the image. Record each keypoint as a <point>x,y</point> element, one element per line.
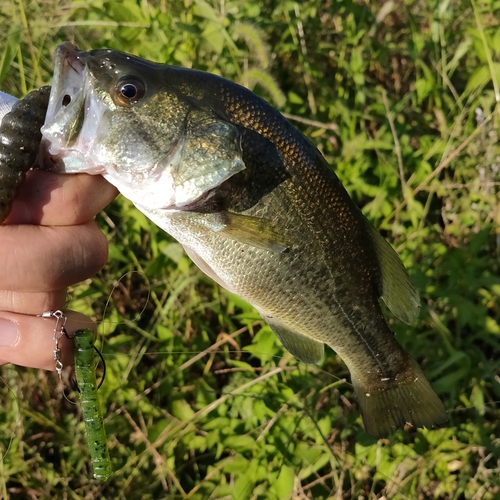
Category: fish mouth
<point>66,125</point>
<point>69,54</point>
<point>69,71</point>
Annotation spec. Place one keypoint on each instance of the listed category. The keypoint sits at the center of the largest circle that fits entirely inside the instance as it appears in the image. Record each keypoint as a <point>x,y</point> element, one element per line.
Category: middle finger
<point>64,255</point>
<point>32,303</point>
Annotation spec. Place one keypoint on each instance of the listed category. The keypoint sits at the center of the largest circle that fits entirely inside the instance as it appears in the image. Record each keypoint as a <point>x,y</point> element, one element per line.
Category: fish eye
<point>129,90</point>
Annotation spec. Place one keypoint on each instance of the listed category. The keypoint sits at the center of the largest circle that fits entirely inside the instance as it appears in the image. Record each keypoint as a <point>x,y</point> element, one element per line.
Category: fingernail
<point>9,332</point>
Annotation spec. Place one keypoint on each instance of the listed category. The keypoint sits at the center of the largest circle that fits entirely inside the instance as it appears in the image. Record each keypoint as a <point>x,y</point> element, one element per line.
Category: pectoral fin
<point>398,293</point>
<point>253,231</point>
<point>307,350</point>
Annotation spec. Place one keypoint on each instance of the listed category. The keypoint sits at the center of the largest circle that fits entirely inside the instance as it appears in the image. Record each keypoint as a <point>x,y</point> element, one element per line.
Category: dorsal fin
<point>398,293</point>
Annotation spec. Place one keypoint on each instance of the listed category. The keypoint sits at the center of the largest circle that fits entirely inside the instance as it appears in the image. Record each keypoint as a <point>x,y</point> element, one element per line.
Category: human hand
<point>48,242</point>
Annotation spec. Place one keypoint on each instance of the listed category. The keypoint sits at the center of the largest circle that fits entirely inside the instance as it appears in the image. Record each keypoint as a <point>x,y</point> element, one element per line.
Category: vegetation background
<point>201,401</point>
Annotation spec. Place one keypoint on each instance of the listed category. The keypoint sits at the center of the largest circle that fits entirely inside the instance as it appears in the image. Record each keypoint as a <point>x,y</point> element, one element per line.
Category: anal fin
<point>304,348</point>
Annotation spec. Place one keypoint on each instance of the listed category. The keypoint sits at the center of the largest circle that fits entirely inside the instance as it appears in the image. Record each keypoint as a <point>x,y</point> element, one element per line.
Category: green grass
<point>390,97</point>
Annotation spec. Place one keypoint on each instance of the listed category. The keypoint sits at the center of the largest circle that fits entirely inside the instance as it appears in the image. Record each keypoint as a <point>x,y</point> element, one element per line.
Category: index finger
<point>34,344</point>
<point>50,199</point>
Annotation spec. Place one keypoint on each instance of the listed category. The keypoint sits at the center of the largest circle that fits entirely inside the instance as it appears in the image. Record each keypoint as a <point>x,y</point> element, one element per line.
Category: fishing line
<point>137,317</point>
<point>428,456</point>
<point>98,351</point>
<point>332,449</point>
<point>305,409</point>
<point>308,368</point>
<point>103,376</point>
<point>115,286</point>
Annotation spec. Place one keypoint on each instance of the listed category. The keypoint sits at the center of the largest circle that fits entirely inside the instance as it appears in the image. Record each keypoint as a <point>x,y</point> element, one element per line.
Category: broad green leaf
<point>283,484</point>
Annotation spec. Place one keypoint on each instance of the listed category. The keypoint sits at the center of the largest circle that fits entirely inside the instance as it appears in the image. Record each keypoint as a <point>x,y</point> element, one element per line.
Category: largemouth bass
<point>256,207</point>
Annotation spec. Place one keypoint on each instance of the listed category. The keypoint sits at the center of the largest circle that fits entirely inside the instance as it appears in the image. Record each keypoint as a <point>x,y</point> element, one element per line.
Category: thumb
<point>27,340</point>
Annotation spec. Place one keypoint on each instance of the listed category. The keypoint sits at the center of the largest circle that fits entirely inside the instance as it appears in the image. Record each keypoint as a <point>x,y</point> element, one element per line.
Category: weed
<point>202,402</point>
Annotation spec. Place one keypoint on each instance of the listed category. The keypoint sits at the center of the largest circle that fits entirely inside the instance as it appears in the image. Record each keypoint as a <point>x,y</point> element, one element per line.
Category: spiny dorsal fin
<point>304,348</point>
<point>398,293</point>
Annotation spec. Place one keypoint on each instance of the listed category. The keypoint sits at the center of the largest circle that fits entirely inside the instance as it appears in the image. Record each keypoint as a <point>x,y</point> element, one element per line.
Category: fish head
<point>118,115</point>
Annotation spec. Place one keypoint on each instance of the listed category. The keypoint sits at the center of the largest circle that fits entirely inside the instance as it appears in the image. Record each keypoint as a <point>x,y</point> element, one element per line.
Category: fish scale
<point>257,208</point>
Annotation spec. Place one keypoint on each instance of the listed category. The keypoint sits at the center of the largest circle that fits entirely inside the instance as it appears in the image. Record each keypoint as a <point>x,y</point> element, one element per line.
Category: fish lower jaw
<point>156,193</point>
<point>59,160</point>
<point>142,197</point>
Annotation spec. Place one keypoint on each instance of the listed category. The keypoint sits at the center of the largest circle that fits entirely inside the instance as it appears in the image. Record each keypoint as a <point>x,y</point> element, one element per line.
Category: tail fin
<point>413,404</point>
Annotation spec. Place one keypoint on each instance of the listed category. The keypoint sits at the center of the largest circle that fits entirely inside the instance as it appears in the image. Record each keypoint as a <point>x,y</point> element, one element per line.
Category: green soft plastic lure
<point>94,426</point>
